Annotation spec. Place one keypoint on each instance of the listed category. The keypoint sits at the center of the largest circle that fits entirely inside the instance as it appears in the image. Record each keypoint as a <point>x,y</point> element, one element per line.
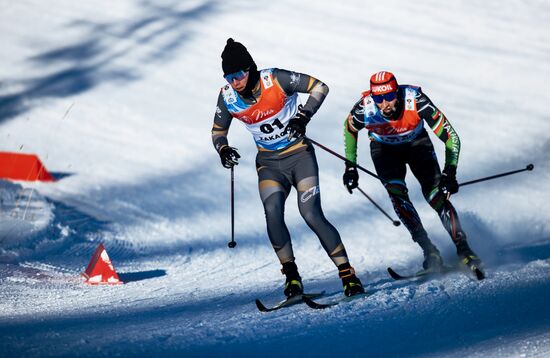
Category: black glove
<point>448,183</point>
<point>296,127</point>
<point>351,177</point>
<point>229,156</point>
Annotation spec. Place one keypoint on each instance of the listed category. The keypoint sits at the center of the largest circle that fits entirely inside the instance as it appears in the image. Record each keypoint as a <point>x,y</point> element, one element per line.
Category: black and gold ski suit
<point>281,164</point>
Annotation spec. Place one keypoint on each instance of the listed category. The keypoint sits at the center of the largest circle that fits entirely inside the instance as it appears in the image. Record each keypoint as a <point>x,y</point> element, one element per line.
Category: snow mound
<point>23,214</point>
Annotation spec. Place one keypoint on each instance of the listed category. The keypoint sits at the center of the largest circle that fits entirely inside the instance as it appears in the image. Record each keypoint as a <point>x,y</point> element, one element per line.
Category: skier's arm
<point>352,125</point>
<point>442,128</point>
<point>220,128</point>
<point>292,82</point>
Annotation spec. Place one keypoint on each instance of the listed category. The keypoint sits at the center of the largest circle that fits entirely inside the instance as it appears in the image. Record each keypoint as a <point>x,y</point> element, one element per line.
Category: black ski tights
<point>276,178</point>
<point>390,162</point>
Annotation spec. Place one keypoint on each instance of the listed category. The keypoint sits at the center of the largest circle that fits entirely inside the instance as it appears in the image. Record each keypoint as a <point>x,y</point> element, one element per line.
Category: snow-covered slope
<point>119,97</point>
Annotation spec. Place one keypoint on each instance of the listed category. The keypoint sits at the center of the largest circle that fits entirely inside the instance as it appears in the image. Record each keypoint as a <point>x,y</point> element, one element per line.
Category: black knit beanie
<point>235,57</point>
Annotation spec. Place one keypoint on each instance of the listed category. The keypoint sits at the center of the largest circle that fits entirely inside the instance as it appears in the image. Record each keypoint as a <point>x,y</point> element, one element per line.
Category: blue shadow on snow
<point>95,60</point>
<point>141,275</point>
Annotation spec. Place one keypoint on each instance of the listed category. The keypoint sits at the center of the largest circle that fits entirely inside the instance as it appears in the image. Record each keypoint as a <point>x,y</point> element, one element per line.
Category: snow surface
<point>117,98</point>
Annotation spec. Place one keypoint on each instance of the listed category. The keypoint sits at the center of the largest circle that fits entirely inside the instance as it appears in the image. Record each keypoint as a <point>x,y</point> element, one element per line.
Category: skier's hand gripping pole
<point>345,160</point>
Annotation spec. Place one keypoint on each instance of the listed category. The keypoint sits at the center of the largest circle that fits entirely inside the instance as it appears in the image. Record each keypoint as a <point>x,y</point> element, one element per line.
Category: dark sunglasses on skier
<point>379,98</point>
<point>239,75</point>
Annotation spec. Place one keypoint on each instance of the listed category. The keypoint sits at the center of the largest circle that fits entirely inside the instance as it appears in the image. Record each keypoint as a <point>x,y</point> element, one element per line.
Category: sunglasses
<point>236,76</point>
<point>379,98</point>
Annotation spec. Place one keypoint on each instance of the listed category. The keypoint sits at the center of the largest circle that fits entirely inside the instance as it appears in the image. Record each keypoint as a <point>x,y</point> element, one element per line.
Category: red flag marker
<point>17,166</point>
<point>100,270</point>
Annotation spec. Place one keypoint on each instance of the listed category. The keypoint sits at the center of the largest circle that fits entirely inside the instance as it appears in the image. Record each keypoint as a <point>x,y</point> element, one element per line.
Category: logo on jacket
<point>258,115</point>
<point>409,105</point>
<point>294,78</point>
<point>266,79</point>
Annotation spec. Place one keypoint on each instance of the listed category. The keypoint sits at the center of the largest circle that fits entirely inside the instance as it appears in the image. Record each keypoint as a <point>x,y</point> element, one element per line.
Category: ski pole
<point>344,159</point>
<point>232,243</point>
<point>528,167</point>
<point>395,222</point>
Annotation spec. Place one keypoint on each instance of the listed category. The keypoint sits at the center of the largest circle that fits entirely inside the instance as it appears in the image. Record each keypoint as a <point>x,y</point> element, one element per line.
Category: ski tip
<point>312,304</point>
<point>421,274</point>
<point>394,274</point>
<point>260,306</point>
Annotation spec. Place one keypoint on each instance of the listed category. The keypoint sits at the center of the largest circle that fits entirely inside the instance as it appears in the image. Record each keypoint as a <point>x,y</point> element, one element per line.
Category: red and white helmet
<point>383,82</point>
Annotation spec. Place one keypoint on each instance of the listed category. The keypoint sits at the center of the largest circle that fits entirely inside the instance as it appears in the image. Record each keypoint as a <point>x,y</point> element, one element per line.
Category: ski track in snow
<point>118,99</point>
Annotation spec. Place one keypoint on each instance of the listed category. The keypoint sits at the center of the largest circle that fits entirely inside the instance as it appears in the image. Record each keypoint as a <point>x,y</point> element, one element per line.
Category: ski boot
<point>293,284</point>
<point>469,258</point>
<point>432,260</point>
<point>352,284</point>
<point>466,254</point>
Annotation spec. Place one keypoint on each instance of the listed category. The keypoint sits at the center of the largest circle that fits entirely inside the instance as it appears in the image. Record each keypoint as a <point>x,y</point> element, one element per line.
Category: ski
<point>287,302</point>
<point>316,305</point>
<point>479,274</point>
<point>419,274</point>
